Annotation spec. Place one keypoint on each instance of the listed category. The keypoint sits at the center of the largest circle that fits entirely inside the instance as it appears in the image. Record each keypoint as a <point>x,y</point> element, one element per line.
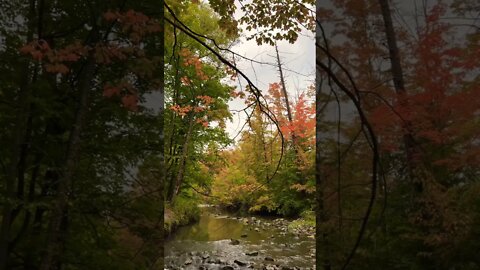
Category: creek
<point>221,240</point>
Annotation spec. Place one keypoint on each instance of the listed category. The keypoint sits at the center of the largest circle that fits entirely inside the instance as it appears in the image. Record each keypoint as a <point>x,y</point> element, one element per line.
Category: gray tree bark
<point>399,84</point>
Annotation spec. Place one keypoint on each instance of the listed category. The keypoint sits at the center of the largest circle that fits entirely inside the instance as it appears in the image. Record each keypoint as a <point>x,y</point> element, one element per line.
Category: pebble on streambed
<point>234,242</point>
<point>240,263</point>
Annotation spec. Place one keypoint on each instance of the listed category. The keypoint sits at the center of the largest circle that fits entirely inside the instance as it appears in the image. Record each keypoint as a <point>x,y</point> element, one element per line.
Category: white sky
<point>297,58</point>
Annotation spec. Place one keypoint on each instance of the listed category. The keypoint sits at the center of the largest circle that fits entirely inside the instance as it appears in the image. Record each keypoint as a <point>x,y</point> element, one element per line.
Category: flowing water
<point>225,241</point>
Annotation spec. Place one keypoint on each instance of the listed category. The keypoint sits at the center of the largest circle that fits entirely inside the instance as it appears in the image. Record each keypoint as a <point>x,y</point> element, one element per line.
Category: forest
<point>80,144</point>
<point>119,148</point>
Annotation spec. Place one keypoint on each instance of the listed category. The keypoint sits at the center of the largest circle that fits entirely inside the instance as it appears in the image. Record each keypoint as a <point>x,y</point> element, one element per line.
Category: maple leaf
<point>57,68</point>
<point>130,102</point>
<point>206,100</point>
<point>203,122</point>
<point>27,48</point>
<point>198,109</point>
<point>109,91</point>
<point>110,15</point>
<point>43,45</point>
<point>37,49</point>
<point>185,81</point>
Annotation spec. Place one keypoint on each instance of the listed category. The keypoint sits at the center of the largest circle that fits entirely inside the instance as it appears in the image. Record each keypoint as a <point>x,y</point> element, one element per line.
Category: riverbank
<point>303,224</point>
<point>180,214</point>
<point>174,217</point>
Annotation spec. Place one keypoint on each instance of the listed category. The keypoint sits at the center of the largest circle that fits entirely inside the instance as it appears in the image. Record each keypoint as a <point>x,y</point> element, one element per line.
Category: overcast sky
<point>298,64</point>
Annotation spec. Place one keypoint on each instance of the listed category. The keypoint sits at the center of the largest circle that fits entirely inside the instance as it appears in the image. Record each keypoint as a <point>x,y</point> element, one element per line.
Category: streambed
<point>221,240</point>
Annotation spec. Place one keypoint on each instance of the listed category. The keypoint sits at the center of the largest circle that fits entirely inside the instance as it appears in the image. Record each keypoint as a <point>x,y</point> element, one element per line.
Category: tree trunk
<point>399,85</point>
<point>322,243</point>
<point>58,215</point>
<point>16,150</point>
<point>284,87</point>
<point>9,208</point>
<point>172,146</point>
<point>183,158</point>
<point>289,115</point>
<point>162,174</point>
<point>171,181</point>
<point>285,95</point>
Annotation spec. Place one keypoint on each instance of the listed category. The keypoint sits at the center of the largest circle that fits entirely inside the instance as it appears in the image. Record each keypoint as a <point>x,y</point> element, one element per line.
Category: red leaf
<point>130,102</point>
<point>109,91</point>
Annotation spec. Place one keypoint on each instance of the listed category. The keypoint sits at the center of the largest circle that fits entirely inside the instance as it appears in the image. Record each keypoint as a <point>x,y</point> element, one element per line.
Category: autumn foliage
<point>427,133</point>
<point>133,27</point>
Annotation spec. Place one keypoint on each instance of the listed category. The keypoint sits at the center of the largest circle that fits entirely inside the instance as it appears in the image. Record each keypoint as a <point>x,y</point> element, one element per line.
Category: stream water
<point>225,241</point>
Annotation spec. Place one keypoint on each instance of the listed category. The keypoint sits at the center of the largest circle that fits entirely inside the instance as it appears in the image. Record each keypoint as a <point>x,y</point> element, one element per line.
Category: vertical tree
<point>76,58</point>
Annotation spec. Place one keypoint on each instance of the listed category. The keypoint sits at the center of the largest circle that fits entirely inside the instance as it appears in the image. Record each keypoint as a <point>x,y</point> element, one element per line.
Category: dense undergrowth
<point>183,211</point>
